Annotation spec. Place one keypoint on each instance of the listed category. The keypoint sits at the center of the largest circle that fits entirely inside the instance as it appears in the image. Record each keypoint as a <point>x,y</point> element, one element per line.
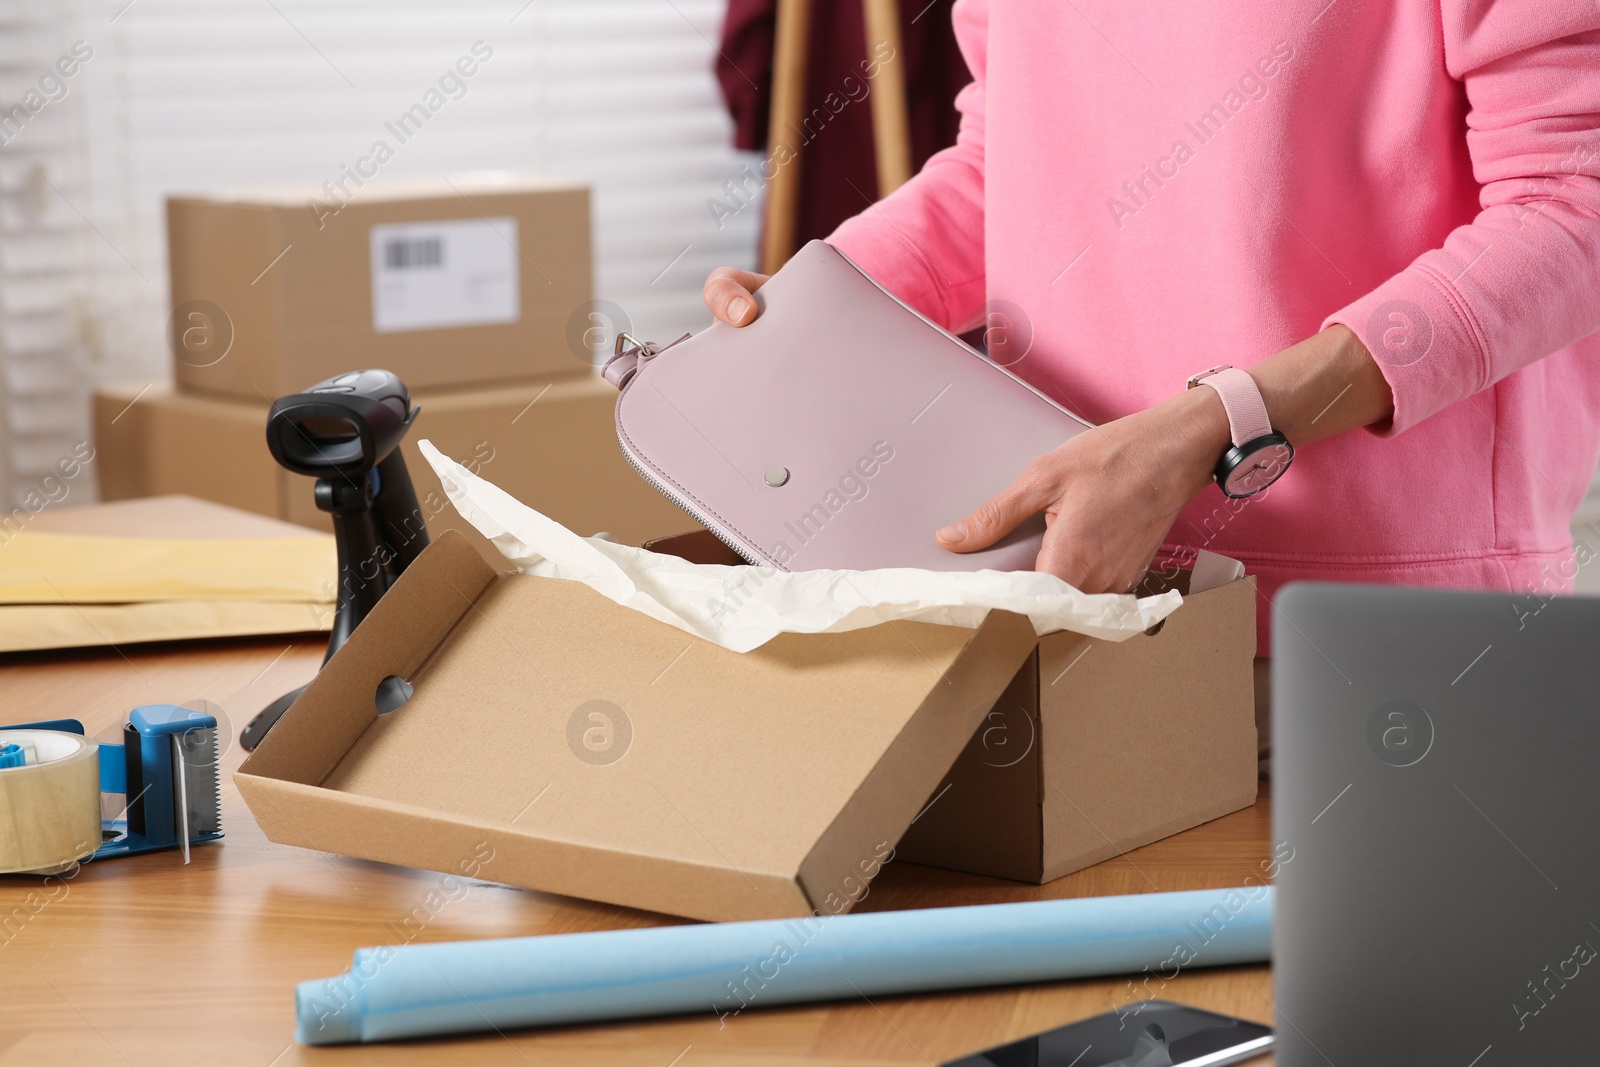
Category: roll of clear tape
<point>49,806</point>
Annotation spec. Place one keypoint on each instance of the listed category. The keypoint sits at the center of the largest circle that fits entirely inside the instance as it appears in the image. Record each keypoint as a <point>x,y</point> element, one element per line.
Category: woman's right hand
<point>728,293</point>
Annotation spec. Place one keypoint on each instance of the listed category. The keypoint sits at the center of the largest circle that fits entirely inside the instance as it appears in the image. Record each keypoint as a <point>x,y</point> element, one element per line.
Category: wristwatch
<point>1260,454</point>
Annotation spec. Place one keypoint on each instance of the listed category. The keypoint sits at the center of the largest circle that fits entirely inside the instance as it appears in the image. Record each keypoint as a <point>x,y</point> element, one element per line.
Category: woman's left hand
<point>1110,494</point>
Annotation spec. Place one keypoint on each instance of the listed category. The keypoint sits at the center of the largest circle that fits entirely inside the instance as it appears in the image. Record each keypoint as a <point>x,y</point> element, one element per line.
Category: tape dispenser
<point>52,778</point>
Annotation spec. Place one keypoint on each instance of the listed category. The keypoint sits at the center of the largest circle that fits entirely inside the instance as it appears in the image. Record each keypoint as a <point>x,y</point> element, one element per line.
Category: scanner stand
<point>377,531</point>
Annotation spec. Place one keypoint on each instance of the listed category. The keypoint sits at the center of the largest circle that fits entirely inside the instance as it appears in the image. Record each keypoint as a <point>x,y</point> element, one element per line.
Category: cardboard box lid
<point>731,786</point>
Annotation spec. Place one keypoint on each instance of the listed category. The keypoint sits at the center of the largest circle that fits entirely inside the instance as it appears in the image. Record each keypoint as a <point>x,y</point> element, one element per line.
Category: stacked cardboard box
<point>463,287</point>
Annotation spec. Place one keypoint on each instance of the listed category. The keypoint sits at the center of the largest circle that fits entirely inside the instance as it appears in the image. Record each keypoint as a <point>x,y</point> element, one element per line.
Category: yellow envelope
<point>59,568</point>
<point>30,627</point>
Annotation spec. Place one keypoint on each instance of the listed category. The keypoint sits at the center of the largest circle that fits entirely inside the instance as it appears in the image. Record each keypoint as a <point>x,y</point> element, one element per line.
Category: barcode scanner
<point>346,432</point>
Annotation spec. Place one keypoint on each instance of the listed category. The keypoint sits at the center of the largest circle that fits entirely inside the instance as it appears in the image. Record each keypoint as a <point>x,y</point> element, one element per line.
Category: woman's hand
<point>1110,494</point>
<point>728,295</point>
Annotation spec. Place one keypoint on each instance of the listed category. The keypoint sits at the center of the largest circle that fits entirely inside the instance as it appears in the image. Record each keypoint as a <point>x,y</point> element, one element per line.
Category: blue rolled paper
<point>456,987</point>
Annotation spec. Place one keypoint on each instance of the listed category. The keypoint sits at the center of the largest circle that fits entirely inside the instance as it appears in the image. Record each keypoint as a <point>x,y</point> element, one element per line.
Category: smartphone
<point>1151,1033</point>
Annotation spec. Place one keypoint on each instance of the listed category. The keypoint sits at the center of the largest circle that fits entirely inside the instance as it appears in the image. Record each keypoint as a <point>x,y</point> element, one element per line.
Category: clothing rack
<point>891,130</point>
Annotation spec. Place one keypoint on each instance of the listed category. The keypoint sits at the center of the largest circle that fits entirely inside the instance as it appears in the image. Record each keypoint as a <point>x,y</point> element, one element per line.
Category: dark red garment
<point>838,172</point>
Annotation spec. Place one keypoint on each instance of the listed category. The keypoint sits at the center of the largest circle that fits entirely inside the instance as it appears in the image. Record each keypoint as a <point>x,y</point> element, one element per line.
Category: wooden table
<point>146,962</point>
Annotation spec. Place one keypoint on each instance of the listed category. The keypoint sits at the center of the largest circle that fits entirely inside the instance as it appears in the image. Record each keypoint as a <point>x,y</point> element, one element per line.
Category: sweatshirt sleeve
<point>1521,280</point>
<point>924,242</point>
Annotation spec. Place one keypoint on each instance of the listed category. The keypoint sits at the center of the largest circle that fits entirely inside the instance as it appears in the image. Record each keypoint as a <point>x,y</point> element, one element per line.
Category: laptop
<point>1437,777</point>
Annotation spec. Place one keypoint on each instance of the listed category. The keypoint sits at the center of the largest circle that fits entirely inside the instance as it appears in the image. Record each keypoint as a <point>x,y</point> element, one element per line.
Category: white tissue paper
<point>743,607</point>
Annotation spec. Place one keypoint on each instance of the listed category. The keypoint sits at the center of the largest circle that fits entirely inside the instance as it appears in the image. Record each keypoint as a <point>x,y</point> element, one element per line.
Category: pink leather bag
<point>840,429</point>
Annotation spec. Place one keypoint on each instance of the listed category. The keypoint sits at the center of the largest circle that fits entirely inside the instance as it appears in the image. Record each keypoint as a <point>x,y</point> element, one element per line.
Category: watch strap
<point>1241,399</point>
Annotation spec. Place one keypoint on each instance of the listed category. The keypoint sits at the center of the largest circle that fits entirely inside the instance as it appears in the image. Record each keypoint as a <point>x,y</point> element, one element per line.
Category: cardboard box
<point>1096,747</point>
<point>592,751</point>
<point>1099,747</point>
<point>447,283</point>
<point>576,746</point>
<point>552,444</point>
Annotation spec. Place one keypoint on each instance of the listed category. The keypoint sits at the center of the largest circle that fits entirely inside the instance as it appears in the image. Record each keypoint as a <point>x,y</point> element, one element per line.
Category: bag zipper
<point>744,551</point>
<point>622,372</point>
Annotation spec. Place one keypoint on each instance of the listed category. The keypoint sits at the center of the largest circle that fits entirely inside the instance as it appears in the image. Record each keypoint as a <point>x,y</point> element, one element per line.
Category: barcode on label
<point>435,274</point>
<point>413,253</point>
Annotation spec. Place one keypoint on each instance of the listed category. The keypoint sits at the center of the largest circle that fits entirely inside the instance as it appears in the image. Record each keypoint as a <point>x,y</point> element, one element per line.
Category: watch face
<point>1255,465</point>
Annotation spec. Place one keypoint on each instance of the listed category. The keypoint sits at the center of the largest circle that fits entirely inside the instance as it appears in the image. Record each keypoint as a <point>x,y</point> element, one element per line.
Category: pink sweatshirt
<point>1154,188</point>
